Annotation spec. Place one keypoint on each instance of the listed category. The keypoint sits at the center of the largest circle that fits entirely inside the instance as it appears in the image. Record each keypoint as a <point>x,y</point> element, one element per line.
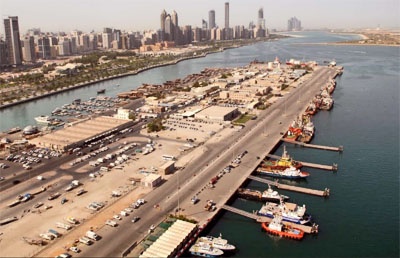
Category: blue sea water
<point>361,217</point>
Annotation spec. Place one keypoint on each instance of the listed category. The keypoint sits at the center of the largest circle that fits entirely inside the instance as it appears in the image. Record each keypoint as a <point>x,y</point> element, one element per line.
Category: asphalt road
<point>270,123</point>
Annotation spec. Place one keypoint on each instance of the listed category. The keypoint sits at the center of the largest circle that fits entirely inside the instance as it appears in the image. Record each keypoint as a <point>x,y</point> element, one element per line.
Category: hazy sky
<point>138,15</point>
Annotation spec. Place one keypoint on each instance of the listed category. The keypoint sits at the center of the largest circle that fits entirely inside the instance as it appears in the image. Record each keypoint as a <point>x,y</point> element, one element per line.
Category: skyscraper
<point>162,25</point>
<point>226,15</point>
<point>211,19</point>
<point>13,42</point>
<point>261,20</point>
<point>294,24</point>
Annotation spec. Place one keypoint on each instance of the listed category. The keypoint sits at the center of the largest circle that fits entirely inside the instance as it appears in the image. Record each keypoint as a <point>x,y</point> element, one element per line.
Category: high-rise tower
<point>162,24</point>
<point>13,42</point>
<point>211,19</point>
<point>226,15</point>
<point>261,20</point>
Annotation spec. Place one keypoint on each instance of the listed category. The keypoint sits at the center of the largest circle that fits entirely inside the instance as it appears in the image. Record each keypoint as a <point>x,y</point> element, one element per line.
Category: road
<point>195,175</point>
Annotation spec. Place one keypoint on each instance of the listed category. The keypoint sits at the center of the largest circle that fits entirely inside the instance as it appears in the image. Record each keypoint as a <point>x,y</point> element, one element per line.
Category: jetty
<point>314,146</point>
<point>307,229</point>
<point>324,193</point>
<point>334,167</point>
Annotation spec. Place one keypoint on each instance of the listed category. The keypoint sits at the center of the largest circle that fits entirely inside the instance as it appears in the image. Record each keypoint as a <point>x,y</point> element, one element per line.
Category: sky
<point>139,15</point>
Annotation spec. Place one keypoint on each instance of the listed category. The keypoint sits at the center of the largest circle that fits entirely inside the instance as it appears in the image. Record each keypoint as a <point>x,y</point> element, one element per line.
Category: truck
<point>92,235</point>
<point>53,196</point>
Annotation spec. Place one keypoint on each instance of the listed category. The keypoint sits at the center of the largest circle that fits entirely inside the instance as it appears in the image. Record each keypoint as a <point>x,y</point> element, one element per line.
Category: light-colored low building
<point>81,132</point>
<point>151,180</point>
<point>123,113</point>
<point>218,114</point>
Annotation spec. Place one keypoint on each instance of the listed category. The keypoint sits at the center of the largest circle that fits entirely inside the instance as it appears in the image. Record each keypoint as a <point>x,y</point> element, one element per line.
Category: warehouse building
<point>80,133</point>
<point>217,114</point>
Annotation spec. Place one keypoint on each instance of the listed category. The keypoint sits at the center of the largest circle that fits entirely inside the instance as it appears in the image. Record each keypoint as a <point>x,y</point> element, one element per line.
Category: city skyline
<point>142,15</point>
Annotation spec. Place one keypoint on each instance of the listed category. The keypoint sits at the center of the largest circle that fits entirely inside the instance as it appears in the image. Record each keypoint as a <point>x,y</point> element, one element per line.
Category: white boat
<point>218,242</point>
<point>271,195</point>
<point>43,119</point>
<point>290,212</point>
<point>205,250</point>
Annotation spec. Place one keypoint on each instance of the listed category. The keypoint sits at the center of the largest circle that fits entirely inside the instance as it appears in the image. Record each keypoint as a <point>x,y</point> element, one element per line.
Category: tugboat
<point>218,242</point>
<point>290,212</point>
<point>276,227</point>
<point>284,162</point>
<point>205,250</point>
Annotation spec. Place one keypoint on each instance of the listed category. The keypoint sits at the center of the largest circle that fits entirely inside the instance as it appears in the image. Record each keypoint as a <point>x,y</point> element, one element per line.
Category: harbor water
<point>361,216</point>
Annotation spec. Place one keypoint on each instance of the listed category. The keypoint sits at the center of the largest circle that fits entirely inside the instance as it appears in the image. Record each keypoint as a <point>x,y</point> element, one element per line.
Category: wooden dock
<point>307,229</point>
<point>314,146</point>
<point>334,167</point>
<point>324,193</point>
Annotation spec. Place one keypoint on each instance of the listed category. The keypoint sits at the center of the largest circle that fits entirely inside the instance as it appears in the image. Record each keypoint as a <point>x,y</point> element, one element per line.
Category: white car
<point>117,217</point>
<point>111,223</point>
<point>74,249</point>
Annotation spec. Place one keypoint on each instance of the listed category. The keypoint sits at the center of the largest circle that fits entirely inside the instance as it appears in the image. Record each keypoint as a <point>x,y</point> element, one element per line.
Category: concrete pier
<point>324,193</point>
<point>334,167</point>
<point>307,229</point>
<point>314,146</point>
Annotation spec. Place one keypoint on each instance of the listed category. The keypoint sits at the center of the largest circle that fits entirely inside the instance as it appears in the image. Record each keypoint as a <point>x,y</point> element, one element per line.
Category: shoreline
<point>348,44</point>
<point>77,86</point>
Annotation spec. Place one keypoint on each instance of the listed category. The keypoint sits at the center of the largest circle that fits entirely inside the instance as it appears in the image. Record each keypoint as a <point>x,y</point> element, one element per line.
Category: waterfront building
<point>93,41</point>
<point>28,49</point>
<point>261,20</point>
<point>294,24</point>
<point>187,34</point>
<point>3,54</point>
<point>106,39</point>
<point>211,19</point>
<point>11,29</point>
<point>123,113</point>
<point>64,47</point>
<point>197,34</point>
<point>44,49</point>
<point>162,25</point>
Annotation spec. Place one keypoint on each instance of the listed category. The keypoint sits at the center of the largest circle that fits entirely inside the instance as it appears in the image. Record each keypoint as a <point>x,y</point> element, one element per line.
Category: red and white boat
<point>276,227</point>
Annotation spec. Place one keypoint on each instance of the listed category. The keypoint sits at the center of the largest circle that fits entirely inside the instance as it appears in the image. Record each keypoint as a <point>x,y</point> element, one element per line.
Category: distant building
<point>211,19</point>
<point>13,42</point>
<point>294,24</point>
<point>3,54</point>
<point>226,15</point>
<point>28,49</point>
<point>261,20</point>
<point>123,113</point>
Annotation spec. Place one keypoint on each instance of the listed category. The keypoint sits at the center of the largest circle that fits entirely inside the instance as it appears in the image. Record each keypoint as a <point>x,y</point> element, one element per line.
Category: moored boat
<point>273,196</point>
<point>218,242</point>
<point>276,227</point>
<point>288,173</point>
<point>205,250</point>
<point>290,212</point>
<point>43,119</point>
<point>101,91</point>
<point>284,162</point>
